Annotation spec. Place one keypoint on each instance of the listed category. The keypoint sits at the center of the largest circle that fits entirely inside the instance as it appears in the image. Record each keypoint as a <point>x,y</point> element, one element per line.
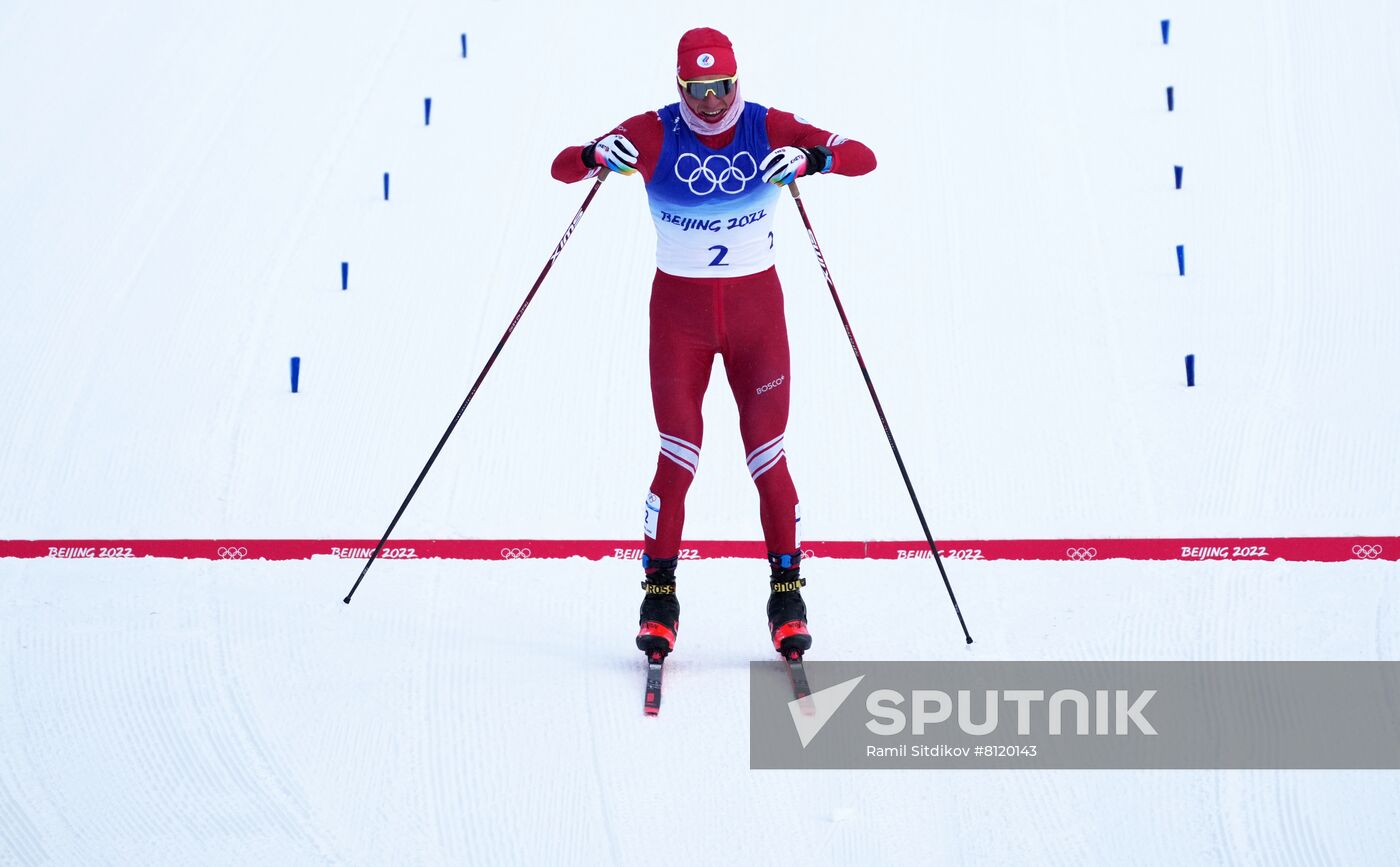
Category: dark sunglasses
<point>701,89</point>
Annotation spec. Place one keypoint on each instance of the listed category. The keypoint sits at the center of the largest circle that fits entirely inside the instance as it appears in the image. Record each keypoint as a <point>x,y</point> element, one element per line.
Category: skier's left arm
<point>801,149</point>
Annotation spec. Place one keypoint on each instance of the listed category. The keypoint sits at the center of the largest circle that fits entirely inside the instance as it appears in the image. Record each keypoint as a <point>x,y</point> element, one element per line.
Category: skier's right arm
<point>639,136</point>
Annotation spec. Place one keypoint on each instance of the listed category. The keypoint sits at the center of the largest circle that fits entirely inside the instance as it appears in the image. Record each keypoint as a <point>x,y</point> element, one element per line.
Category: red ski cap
<point>705,53</point>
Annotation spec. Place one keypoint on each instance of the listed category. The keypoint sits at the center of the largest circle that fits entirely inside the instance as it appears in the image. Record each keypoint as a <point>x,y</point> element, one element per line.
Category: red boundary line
<point>1328,549</point>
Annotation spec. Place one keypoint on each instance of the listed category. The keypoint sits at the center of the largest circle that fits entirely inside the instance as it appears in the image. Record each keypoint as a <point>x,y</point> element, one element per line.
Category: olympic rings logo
<point>233,553</point>
<point>515,553</point>
<point>808,553</point>
<point>717,172</point>
<point>1366,552</point>
<point>1081,553</point>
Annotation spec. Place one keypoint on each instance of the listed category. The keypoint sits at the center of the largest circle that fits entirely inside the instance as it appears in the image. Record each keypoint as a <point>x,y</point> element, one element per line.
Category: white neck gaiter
<point>700,126</point>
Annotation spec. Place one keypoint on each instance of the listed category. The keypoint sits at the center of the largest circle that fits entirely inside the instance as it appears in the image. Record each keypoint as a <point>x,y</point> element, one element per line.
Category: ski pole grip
<point>792,188</point>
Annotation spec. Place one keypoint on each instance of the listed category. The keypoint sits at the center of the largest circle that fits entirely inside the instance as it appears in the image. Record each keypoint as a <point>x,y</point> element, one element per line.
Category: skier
<point>713,165</point>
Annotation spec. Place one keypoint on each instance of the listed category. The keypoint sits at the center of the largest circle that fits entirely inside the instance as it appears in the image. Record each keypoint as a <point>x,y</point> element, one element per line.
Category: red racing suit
<point>716,292</point>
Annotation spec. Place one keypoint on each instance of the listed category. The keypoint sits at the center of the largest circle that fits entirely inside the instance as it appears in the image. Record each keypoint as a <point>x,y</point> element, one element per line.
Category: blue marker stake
<point>427,110</point>
<point>344,276</point>
<point>1166,26</point>
<point>386,186</point>
<point>1177,169</point>
<point>296,372</point>
<point>1190,370</point>
<point>1171,100</point>
<point>464,45</point>
<point>1181,259</point>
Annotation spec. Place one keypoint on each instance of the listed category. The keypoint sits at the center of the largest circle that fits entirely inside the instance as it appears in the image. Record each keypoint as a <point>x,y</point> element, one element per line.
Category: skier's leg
<point>756,362</point>
<point>681,355</point>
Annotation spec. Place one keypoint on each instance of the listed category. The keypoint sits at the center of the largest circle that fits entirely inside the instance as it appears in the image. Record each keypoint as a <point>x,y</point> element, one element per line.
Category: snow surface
<point>177,713</point>
<point>180,183</point>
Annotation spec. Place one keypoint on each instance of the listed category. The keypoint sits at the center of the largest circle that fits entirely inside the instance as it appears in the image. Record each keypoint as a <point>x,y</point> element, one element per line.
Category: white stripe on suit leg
<point>777,439</point>
<point>681,451</point>
<point>677,460</point>
<point>765,456</point>
<point>680,442</point>
<point>770,465</point>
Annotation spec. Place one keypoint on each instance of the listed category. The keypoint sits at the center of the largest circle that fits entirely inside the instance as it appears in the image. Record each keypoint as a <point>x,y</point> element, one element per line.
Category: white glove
<point>616,154</point>
<point>783,166</point>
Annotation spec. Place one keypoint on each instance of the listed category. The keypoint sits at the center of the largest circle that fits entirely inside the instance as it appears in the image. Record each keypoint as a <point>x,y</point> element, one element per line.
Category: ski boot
<point>787,613</point>
<point>661,610</point>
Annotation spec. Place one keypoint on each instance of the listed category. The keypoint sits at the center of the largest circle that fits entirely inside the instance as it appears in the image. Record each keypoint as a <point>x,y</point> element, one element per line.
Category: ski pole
<point>830,284</point>
<point>490,361</point>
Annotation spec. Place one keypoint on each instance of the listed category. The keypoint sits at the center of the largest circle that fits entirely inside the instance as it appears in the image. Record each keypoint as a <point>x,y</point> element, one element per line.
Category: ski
<point>798,675</point>
<point>653,695</point>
